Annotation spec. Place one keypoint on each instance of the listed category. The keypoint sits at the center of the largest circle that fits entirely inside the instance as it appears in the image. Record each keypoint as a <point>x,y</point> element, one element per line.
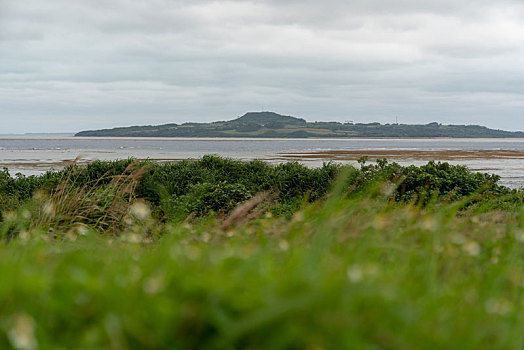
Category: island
<point>274,125</point>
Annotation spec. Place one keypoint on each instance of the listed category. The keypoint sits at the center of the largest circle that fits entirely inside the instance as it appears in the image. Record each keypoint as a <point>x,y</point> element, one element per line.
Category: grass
<point>357,270</point>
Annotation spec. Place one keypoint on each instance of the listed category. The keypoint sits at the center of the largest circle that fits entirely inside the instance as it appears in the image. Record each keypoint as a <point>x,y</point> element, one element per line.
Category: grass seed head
<point>140,210</point>
<point>498,306</point>
<point>472,248</point>
<point>355,273</point>
<point>22,332</point>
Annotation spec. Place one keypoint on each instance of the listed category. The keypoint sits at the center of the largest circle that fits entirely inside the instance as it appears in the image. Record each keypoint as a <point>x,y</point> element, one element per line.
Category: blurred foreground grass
<point>359,271</point>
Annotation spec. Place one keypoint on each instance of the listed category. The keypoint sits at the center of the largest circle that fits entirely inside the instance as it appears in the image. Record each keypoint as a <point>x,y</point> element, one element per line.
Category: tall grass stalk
<point>102,207</point>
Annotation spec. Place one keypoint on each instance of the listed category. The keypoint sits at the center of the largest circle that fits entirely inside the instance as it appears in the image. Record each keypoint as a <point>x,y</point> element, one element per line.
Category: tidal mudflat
<point>35,155</point>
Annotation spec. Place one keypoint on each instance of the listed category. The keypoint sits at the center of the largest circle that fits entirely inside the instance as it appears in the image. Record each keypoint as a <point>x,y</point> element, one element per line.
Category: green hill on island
<point>273,125</point>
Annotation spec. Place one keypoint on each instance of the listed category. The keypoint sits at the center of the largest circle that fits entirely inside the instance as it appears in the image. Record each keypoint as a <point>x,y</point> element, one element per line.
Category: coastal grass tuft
<point>358,258</point>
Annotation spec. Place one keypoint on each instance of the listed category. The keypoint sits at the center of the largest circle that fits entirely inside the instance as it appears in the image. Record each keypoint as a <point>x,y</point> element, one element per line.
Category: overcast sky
<point>69,65</point>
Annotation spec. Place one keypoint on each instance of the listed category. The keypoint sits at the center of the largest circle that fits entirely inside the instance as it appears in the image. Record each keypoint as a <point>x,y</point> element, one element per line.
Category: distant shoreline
<point>244,139</point>
<point>294,138</point>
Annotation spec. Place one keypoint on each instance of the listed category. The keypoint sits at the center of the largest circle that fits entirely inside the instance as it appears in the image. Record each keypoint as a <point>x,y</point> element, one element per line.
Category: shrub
<point>433,179</point>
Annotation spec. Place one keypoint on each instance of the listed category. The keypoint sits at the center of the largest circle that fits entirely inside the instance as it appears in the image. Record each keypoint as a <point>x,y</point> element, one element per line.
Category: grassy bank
<point>378,257</point>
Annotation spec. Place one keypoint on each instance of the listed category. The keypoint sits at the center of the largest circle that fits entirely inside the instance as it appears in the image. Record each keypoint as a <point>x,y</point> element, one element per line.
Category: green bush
<point>172,184</point>
<point>204,198</point>
<point>16,190</point>
<point>435,179</point>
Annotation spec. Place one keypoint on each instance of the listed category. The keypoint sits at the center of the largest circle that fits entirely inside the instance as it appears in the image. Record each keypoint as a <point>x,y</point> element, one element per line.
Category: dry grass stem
<point>244,211</point>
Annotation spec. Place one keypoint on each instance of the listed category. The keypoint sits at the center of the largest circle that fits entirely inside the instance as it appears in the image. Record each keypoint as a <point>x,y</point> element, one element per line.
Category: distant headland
<point>274,125</point>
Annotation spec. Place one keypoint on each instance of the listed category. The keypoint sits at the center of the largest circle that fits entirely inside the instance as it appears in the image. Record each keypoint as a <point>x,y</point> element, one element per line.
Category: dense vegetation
<point>217,185</point>
<point>221,254</point>
<point>268,124</point>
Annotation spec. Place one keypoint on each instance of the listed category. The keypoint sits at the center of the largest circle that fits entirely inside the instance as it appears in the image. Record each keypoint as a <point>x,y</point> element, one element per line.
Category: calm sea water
<point>33,155</point>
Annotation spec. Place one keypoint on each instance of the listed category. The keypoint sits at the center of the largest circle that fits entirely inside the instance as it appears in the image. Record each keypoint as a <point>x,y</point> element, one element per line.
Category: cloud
<point>108,63</point>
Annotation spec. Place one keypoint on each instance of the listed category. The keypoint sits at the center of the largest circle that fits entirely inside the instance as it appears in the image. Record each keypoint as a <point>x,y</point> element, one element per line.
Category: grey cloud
<point>108,63</point>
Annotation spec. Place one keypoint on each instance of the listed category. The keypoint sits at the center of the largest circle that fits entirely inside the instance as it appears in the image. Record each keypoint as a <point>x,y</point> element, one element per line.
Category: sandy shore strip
<point>443,155</point>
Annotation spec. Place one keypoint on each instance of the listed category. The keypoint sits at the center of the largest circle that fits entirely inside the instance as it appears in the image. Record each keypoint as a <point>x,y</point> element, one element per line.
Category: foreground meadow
<point>219,254</point>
